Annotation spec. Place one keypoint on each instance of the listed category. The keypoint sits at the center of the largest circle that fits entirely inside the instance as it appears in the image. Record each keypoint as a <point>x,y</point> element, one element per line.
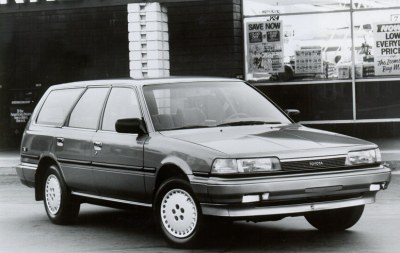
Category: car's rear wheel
<point>178,213</point>
<point>336,219</point>
<point>61,207</point>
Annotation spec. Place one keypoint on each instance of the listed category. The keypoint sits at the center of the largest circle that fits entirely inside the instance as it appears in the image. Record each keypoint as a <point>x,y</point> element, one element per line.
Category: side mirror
<point>293,113</point>
<point>130,126</point>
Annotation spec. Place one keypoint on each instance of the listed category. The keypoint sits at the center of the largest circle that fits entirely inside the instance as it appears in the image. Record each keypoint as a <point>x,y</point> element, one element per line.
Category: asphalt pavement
<point>24,226</point>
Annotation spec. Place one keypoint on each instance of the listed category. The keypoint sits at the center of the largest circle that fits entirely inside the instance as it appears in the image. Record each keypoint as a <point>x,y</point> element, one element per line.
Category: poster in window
<point>308,61</point>
<point>20,112</point>
<point>265,47</point>
<point>387,49</point>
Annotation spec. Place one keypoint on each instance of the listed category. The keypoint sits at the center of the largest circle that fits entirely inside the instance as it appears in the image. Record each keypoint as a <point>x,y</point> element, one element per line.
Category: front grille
<point>314,164</point>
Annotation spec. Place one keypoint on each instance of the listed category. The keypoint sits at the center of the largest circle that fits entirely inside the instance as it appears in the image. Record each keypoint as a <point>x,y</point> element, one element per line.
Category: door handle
<point>97,145</point>
<point>60,142</point>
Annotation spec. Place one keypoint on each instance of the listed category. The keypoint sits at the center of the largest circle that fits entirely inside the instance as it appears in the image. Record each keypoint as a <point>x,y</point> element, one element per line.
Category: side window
<point>87,111</point>
<point>57,105</point>
<point>122,103</point>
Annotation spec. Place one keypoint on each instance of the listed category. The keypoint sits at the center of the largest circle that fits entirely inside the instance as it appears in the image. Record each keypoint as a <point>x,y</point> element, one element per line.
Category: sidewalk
<point>8,161</point>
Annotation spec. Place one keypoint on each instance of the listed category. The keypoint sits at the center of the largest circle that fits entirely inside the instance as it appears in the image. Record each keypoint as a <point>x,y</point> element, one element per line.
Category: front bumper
<point>285,210</point>
<point>290,194</point>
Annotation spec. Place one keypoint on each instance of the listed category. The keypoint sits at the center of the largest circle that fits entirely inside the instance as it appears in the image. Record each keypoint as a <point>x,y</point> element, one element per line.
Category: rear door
<point>74,140</point>
<point>118,157</point>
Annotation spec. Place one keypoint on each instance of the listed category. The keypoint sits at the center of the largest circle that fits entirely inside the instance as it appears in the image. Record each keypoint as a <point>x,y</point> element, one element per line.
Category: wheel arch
<point>45,162</point>
<point>167,171</point>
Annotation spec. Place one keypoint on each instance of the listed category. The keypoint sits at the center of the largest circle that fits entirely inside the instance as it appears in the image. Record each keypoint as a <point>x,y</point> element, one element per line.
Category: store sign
<point>20,112</point>
<point>265,47</point>
<point>395,17</point>
<point>20,116</point>
<point>387,49</point>
<point>308,61</point>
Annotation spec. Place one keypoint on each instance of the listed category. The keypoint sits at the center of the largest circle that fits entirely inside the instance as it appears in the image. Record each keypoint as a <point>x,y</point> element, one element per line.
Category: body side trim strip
<point>62,160</point>
<point>117,166</point>
<point>36,157</point>
<point>111,199</point>
<point>28,166</point>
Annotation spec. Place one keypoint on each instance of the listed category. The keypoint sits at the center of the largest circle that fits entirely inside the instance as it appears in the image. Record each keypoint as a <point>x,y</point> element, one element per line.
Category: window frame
<point>101,120</point>
<point>67,121</point>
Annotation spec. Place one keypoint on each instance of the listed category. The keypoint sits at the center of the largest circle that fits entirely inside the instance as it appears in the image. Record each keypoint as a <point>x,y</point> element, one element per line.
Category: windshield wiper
<point>248,122</point>
<point>186,127</point>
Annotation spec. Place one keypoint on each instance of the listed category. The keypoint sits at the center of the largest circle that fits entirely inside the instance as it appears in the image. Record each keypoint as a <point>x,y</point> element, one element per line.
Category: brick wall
<point>206,38</point>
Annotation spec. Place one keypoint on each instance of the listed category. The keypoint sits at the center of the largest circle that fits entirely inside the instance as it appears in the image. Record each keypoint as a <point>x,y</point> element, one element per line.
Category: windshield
<point>208,104</point>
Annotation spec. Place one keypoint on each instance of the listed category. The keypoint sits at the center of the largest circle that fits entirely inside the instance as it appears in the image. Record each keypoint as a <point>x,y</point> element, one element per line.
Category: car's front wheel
<point>336,219</point>
<point>60,206</point>
<point>178,213</point>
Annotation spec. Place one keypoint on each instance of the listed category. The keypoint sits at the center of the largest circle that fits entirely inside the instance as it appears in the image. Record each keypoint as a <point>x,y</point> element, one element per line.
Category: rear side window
<point>57,105</point>
<point>122,103</point>
<point>87,111</point>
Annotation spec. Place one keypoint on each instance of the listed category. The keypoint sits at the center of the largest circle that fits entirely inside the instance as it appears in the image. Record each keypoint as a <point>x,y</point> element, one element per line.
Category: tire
<point>335,220</point>
<point>60,206</point>
<point>178,214</point>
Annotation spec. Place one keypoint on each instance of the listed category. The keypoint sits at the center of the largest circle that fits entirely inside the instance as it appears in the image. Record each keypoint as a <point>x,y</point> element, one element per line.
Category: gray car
<point>192,148</point>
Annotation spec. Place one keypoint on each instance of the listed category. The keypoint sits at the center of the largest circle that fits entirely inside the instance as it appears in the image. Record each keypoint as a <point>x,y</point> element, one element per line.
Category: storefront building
<point>46,42</point>
<point>338,61</point>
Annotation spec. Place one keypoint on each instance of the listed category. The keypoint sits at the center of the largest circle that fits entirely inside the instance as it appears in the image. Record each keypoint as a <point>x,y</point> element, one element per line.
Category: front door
<point>118,157</point>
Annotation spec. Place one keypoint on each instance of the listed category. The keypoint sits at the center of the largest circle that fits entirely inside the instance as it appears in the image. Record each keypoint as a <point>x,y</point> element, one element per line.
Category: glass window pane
<point>57,106</point>
<point>122,104</point>
<point>262,7</point>
<point>87,111</point>
<point>376,41</point>
<point>305,48</point>
<point>207,104</point>
<point>363,4</point>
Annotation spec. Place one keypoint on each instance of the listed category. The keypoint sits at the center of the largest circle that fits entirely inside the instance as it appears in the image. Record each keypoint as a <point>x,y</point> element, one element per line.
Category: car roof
<point>142,82</point>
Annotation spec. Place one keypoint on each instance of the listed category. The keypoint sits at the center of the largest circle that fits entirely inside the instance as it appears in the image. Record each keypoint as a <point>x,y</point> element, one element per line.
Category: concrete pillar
<point>148,40</point>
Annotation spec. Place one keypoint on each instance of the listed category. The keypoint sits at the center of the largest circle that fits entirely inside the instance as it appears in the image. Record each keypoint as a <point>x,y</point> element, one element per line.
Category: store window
<point>332,59</point>
<point>267,7</point>
<point>377,43</point>
<point>374,4</point>
<point>293,48</point>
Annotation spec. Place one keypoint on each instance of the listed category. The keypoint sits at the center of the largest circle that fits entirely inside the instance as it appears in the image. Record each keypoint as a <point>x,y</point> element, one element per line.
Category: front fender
<point>178,162</point>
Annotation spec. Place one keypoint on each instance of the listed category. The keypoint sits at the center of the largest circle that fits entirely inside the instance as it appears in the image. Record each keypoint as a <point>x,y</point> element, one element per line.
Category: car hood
<point>283,141</point>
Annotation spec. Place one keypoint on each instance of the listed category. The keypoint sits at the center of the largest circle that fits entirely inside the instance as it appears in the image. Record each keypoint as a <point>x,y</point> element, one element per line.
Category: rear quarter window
<point>57,106</point>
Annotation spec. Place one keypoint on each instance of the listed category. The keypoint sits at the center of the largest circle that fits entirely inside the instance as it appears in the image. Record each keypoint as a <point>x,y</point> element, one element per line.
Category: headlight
<point>254,165</point>
<point>364,157</point>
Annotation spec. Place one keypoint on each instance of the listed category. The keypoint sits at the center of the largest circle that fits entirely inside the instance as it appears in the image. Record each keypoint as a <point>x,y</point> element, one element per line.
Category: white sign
<point>265,47</point>
<point>387,49</point>
<point>308,61</point>
<point>20,116</point>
